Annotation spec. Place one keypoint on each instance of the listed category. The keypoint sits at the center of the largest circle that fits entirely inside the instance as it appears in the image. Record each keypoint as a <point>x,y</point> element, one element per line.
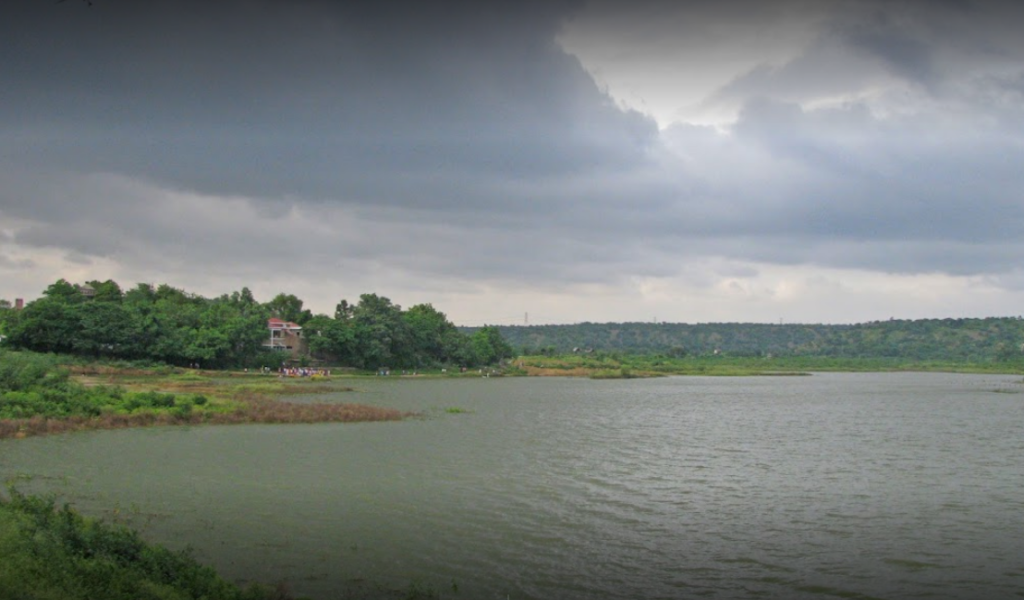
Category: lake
<point>907,485</point>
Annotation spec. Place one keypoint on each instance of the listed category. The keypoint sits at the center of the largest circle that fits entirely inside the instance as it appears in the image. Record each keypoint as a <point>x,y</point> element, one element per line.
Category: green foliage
<point>288,307</point>
<point>955,340</point>
<point>598,365</point>
<point>35,385</point>
<point>489,346</point>
<point>165,324</point>
<point>55,553</point>
<point>382,337</point>
<point>63,292</point>
<point>106,291</point>
<point>146,323</point>
<point>330,339</point>
<point>21,371</point>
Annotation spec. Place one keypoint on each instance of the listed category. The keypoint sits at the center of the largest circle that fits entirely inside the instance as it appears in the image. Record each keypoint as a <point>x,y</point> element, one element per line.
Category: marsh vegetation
<point>41,395</point>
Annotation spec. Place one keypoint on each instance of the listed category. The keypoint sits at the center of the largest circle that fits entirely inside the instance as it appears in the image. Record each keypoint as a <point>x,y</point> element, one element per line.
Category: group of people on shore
<point>303,372</point>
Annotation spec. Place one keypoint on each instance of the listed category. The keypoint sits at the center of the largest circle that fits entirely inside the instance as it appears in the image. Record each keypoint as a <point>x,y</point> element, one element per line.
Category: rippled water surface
<point>834,485</point>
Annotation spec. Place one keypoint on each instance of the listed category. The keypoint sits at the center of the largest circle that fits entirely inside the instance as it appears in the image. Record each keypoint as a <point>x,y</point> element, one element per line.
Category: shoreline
<point>243,397</point>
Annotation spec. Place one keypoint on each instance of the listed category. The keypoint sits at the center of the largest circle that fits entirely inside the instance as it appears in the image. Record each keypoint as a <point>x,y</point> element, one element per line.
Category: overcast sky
<point>811,161</point>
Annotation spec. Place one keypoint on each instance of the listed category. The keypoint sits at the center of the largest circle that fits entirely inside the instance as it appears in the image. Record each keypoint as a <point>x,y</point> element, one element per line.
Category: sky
<point>825,161</point>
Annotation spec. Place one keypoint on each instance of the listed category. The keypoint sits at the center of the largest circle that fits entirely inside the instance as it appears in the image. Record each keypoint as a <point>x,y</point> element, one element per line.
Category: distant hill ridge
<point>994,338</point>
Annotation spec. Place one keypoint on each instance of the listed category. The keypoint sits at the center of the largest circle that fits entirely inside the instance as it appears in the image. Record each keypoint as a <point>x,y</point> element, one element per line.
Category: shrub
<point>57,553</point>
<point>156,399</point>
<point>183,410</point>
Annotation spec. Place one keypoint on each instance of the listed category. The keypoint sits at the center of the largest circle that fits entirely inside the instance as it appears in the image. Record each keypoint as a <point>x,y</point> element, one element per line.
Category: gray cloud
<point>318,99</point>
<point>456,145</point>
<point>903,54</point>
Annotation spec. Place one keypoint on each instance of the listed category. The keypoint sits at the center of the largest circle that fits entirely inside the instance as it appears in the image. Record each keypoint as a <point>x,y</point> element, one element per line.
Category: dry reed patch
<point>250,409</point>
<point>259,409</point>
<point>92,380</point>
<point>532,371</point>
<point>21,428</point>
<point>109,370</point>
<point>153,384</point>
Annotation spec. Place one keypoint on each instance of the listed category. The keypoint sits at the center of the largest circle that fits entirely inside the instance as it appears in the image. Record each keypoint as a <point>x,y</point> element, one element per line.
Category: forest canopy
<point>989,339</point>
<point>164,324</point>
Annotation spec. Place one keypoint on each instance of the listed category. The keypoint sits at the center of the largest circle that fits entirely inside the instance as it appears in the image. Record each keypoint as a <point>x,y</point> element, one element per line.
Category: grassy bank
<point>50,553</point>
<point>43,394</point>
<point>54,553</point>
<point>39,395</point>
<point>616,366</point>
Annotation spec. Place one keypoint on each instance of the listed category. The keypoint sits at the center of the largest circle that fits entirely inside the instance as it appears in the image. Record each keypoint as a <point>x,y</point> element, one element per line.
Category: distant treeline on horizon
<point>964,339</point>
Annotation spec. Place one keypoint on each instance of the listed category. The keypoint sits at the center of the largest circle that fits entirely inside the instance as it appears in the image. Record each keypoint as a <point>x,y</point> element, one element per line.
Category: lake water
<point>834,485</point>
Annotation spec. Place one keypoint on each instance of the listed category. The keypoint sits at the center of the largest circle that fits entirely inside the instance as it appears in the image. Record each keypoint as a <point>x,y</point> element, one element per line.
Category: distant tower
<point>526,318</point>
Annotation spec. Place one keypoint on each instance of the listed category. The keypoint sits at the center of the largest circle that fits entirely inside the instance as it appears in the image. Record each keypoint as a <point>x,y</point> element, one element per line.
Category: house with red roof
<point>285,336</point>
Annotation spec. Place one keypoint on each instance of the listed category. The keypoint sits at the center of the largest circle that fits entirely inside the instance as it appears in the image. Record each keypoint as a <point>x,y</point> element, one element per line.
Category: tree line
<point>164,324</point>
<point>969,340</point>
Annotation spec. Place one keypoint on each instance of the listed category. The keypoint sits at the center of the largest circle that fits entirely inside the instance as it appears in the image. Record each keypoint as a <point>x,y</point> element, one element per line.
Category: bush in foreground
<point>56,554</point>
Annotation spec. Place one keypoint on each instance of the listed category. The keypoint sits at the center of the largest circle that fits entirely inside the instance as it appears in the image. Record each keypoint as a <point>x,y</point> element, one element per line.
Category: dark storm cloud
<point>906,56</point>
<point>458,140</point>
<point>311,98</point>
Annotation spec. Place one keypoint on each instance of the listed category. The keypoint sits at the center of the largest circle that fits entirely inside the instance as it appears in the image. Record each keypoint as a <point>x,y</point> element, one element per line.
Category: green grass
<point>39,396</point>
<point>35,385</point>
<point>624,366</point>
<point>621,373</point>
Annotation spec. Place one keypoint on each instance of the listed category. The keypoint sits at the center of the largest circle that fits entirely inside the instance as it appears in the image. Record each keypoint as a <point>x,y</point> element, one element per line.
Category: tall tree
<point>106,291</point>
<point>382,338</point>
<point>343,311</point>
<point>331,339</point>
<point>64,292</point>
<point>288,307</point>
<point>489,347</point>
<point>430,332</point>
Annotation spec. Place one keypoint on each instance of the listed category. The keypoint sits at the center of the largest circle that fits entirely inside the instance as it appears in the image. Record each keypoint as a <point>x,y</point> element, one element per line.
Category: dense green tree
<point>923,339</point>
<point>64,292</point>
<point>431,334</point>
<point>49,324</point>
<point>343,311</point>
<point>288,307</point>
<point>489,347</point>
<point>104,329</point>
<point>141,293</point>
<point>7,316</point>
<point>169,294</point>
<point>106,291</point>
<point>330,339</point>
<point>382,337</point>
<point>167,324</point>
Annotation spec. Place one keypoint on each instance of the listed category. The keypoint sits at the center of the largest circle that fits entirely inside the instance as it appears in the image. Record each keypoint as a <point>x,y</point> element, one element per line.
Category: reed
<point>248,409</point>
<point>254,408</point>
